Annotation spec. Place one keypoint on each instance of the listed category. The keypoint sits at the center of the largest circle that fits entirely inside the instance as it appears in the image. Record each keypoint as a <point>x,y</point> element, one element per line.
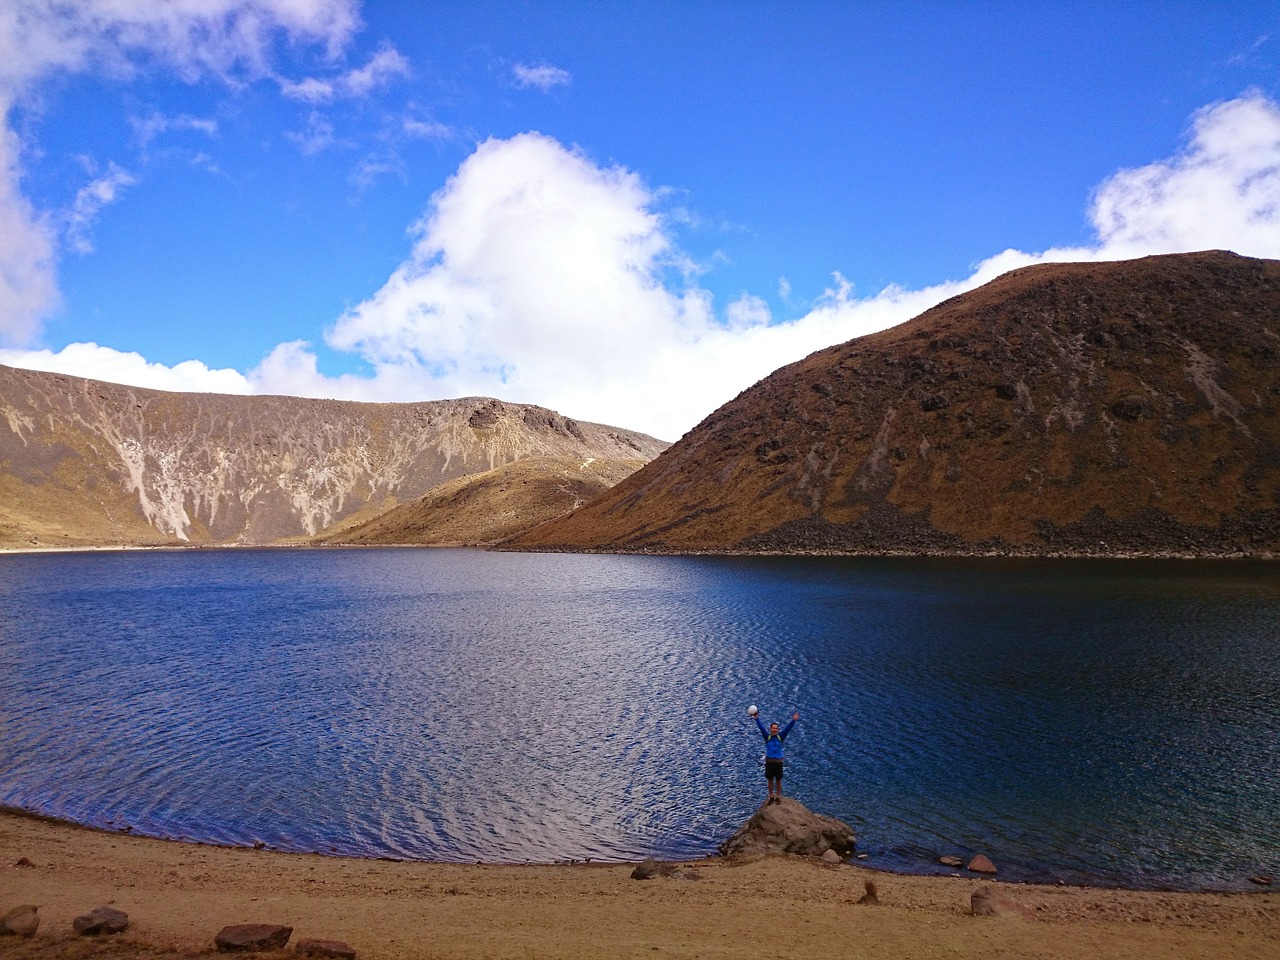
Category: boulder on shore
<point>252,937</point>
<point>21,921</point>
<point>102,920</point>
<point>790,827</point>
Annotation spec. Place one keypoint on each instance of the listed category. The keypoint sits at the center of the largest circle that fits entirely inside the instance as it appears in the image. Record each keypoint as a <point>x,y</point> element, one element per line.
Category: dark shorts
<point>773,769</point>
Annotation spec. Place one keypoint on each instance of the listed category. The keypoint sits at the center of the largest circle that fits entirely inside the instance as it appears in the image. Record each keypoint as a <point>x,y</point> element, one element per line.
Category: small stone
<point>870,898</point>
<point>325,948</point>
<point>20,921</point>
<point>252,937</point>
<point>980,864</point>
<point>951,861</point>
<point>1261,881</point>
<point>24,862</point>
<point>102,920</point>
<point>831,857</point>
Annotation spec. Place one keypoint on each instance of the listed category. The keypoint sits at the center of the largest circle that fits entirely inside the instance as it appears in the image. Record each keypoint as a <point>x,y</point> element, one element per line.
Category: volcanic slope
<point>484,508</point>
<point>85,463</point>
<point>1062,409</point>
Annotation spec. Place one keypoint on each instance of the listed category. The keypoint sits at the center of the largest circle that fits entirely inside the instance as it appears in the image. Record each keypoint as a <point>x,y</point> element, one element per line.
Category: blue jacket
<point>773,744</point>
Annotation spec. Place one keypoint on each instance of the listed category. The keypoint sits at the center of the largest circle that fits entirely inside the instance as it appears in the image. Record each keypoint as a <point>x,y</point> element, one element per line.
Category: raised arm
<point>764,731</point>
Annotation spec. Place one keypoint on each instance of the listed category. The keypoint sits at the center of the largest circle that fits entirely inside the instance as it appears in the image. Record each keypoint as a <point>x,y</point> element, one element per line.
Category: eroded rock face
<point>790,827</point>
<point>84,462</point>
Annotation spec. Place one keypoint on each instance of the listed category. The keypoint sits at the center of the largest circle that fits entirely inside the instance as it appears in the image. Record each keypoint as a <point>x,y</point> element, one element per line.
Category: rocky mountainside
<point>484,508</point>
<point>86,463</point>
<point>1062,409</point>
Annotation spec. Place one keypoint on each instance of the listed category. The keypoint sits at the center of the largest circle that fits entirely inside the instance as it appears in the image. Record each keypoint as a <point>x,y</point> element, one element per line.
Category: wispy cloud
<point>231,40</point>
<point>541,76</point>
<point>417,129</point>
<point>90,201</point>
<point>146,129</point>
<point>385,65</point>
<point>315,137</point>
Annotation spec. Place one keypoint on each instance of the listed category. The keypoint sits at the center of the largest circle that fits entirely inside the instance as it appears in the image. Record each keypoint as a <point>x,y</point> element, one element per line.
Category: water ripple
<point>1115,723</point>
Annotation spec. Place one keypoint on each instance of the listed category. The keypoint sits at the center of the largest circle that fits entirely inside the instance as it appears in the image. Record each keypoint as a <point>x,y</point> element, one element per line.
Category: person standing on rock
<point>773,738</point>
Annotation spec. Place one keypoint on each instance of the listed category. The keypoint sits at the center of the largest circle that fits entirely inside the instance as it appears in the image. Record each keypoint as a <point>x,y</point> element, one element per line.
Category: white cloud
<point>386,64</point>
<point>226,38</point>
<point>540,276</point>
<point>426,129</point>
<point>28,290</point>
<point>90,201</point>
<point>1222,190</point>
<point>103,363</point>
<point>229,39</point>
<point>542,77</point>
<point>315,137</point>
<point>147,129</point>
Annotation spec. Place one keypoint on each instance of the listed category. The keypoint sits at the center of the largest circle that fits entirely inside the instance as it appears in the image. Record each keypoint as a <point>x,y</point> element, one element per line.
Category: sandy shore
<point>179,895</point>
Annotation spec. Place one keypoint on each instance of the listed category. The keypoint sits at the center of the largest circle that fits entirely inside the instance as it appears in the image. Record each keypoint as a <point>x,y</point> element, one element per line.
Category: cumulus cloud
<point>538,275</point>
<point>229,39</point>
<point>1222,190</point>
<point>541,77</point>
<point>27,240</point>
<point>104,363</point>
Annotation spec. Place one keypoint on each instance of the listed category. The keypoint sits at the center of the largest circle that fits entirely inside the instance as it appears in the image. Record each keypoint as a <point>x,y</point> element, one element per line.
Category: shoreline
<point>1010,554</point>
<point>178,895</point>
<point>929,869</point>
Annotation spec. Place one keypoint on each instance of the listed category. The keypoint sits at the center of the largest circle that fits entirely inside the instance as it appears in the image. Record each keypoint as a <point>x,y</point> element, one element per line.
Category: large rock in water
<point>790,827</point>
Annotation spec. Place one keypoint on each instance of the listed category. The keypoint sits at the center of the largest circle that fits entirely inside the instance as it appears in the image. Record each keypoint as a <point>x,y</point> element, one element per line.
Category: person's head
<point>773,727</point>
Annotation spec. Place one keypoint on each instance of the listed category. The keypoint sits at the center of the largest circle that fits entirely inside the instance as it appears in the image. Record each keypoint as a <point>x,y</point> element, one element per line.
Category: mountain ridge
<point>1089,409</point>
<point>88,463</point>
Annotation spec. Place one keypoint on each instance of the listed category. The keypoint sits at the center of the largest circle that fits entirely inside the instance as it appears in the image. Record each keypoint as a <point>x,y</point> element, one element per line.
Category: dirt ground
<point>179,895</point>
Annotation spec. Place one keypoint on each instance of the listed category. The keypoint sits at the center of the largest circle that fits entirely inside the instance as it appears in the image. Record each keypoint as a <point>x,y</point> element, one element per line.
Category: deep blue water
<point>1105,722</point>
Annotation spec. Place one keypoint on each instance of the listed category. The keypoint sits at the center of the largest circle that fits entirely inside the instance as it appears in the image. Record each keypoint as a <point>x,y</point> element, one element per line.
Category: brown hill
<point>485,508</point>
<point>1089,409</point>
<point>85,463</point>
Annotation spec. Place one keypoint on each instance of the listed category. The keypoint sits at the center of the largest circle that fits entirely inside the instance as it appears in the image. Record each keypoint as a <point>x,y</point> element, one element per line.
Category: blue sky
<point>625,212</point>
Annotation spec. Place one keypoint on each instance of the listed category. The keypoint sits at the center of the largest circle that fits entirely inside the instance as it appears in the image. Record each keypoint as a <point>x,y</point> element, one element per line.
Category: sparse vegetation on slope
<point>1083,409</point>
<point>487,507</point>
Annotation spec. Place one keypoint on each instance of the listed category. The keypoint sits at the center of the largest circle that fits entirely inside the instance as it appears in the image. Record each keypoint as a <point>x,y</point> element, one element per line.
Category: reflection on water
<point>1117,722</point>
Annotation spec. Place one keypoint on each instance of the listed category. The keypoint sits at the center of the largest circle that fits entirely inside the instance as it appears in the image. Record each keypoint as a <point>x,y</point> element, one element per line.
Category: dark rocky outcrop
<point>100,921</point>
<point>790,827</point>
<point>252,937</point>
<point>1071,409</point>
